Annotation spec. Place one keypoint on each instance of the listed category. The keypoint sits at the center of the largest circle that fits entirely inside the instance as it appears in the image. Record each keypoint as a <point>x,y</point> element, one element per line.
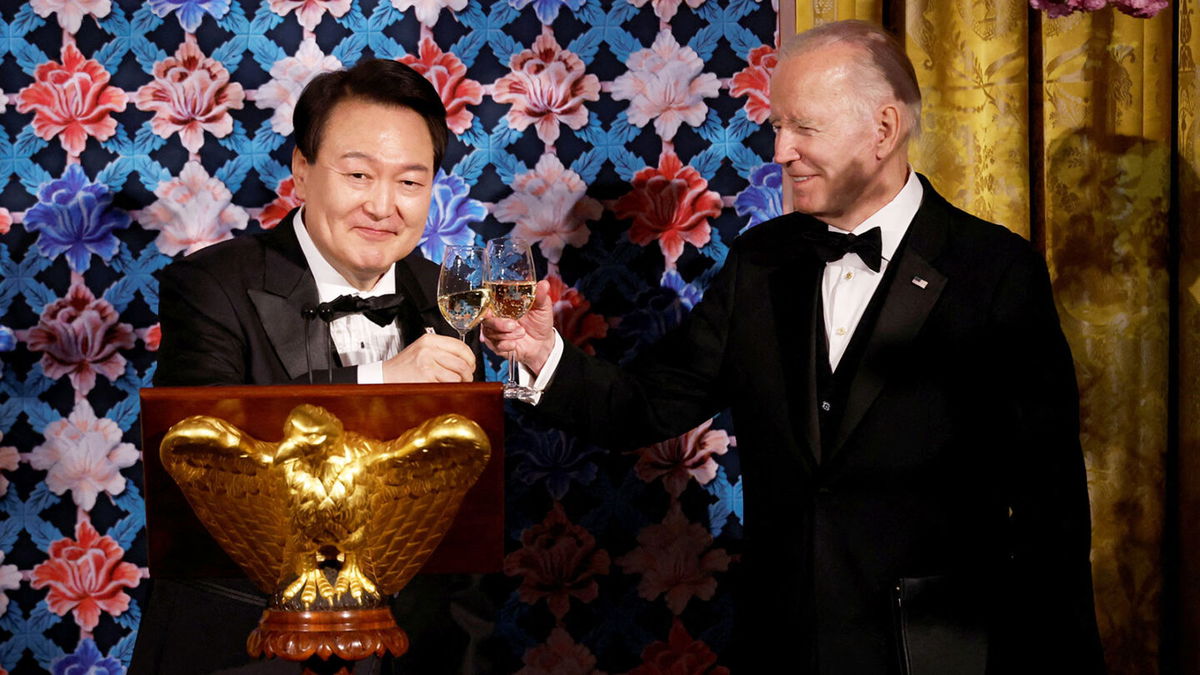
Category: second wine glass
<point>462,294</point>
<point>511,276</point>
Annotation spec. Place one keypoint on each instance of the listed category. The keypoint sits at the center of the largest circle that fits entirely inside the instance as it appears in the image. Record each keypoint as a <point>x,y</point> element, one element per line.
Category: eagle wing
<point>422,478</point>
<point>225,475</point>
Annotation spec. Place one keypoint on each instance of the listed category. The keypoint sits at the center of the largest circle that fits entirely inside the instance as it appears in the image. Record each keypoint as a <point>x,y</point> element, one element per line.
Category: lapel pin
<point>919,282</point>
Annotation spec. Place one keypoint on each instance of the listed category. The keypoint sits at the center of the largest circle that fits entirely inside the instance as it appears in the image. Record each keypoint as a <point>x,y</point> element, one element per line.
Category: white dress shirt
<point>358,340</point>
<point>848,283</point>
<point>846,287</point>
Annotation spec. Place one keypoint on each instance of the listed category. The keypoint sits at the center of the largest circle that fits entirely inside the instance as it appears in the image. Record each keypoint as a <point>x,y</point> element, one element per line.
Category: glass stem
<point>512,368</point>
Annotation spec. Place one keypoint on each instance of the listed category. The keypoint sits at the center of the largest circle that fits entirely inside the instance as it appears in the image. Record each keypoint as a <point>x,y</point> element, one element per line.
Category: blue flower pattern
<point>763,200</point>
<point>190,12</point>
<point>450,214</point>
<point>76,216</point>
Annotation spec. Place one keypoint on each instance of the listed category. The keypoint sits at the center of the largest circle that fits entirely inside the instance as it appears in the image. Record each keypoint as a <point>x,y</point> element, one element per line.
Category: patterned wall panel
<point>624,137</point>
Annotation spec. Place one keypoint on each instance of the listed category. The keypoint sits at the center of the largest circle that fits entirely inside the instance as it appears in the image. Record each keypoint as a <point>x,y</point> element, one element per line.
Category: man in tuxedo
<point>905,402</point>
<point>252,310</point>
<point>335,293</point>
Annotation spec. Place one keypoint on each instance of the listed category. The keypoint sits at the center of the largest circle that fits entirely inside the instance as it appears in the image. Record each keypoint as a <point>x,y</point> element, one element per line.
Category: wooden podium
<point>180,547</point>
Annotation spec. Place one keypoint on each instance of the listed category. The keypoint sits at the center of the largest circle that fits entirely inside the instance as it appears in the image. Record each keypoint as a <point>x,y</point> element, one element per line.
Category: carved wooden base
<point>331,636</point>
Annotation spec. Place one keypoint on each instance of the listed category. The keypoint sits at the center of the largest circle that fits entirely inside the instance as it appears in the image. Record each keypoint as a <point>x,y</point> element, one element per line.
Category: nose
<point>381,200</point>
<point>785,147</point>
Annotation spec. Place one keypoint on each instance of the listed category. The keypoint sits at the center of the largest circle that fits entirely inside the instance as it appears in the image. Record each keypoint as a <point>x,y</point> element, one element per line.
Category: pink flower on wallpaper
<point>9,458</point>
<point>665,9</point>
<point>191,94</point>
<point>6,220</point>
<point>449,76</point>
<point>671,204</point>
<point>310,12</point>
<point>572,316</point>
<point>85,455</point>
<point>288,78</point>
<point>71,12</point>
<point>559,655</point>
<point>680,459</point>
<point>10,579</point>
<point>283,204</point>
<point>79,336</point>
<point>664,84</point>
<point>427,11</point>
<point>152,337</point>
<point>754,82</point>
<point>681,654</point>
<point>547,86</point>
<point>72,100</point>
<point>550,206</point>
<point>192,211</point>
<point>558,561</point>
<point>675,561</point>
<point>86,576</point>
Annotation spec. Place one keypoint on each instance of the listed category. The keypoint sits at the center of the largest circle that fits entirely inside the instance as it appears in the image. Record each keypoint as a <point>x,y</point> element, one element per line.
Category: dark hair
<point>375,80</point>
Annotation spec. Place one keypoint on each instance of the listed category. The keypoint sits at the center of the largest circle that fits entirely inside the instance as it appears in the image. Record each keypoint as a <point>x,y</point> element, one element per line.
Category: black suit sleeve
<point>668,390</point>
<point>202,341</point>
<point>1049,622</point>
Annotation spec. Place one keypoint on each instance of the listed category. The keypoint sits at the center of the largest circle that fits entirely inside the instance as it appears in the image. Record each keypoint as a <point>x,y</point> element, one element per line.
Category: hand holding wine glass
<point>462,292</point>
<point>511,277</point>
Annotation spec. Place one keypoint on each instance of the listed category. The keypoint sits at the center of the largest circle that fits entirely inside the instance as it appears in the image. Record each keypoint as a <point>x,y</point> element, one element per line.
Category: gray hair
<point>886,74</point>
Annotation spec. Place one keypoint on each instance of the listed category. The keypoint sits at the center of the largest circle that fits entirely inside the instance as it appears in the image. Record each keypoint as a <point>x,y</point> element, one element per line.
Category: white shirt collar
<point>330,282</point>
<point>894,217</point>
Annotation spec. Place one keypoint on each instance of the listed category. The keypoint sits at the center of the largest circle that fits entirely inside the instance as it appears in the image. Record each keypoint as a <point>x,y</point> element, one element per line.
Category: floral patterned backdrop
<point>624,137</point>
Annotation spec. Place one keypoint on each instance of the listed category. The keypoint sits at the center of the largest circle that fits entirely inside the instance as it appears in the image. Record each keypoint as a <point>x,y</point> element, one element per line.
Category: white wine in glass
<point>462,293</point>
<point>511,277</point>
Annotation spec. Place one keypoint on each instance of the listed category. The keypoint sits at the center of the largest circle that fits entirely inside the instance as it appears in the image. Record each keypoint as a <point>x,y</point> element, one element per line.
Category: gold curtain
<point>1061,130</point>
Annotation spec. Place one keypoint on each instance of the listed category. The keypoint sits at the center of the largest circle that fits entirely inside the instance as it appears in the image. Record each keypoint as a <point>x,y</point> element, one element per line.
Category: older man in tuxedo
<point>335,293</point>
<point>905,402</point>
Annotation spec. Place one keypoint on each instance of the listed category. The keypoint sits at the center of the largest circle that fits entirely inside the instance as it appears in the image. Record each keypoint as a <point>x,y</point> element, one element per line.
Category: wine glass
<point>510,275</point>
<point>461,292</point>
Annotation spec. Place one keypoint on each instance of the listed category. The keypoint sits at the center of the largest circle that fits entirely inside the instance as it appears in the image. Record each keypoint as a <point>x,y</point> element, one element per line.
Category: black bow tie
<point>381,309</point>
<point>831,246</point>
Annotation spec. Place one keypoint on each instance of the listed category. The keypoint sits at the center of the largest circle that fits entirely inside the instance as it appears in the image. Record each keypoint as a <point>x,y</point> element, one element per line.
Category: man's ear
<point>887,129</point>
<point>299,173</point>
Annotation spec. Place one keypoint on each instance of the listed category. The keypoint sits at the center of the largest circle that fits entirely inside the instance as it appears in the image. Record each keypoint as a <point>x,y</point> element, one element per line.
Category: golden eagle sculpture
<point>326,519</point>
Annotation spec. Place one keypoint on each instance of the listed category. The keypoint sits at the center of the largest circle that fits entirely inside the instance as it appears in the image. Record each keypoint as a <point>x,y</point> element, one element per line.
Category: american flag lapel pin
<point>919,282</point>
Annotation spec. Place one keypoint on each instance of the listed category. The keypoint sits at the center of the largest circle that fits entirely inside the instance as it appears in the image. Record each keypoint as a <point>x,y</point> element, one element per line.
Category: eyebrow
<point>357,154</point>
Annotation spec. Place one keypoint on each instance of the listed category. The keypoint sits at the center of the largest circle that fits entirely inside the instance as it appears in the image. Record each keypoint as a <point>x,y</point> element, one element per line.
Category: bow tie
<point>381,309</point>
<point>831,246</point>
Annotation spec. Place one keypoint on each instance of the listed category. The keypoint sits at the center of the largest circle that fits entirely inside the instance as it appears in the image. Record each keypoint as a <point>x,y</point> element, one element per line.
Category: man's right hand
<point>432,358</point>
<point>529,339</point>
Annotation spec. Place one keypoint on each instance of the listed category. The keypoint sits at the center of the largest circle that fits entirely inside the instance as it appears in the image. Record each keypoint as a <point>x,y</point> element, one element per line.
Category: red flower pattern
<point>6,220</point>
<point>674,560</point>
<point>449,76</point>
<point>754,82</point>
<point>287,200</point>
<point>678,460</point>
<point>575,323</point>
<point>558,561</point>
<point>72,100</point>
<point>153,337</point>
<point>560,655</point>
<point>681,654</point>
<point>670,203</point>
<point>547,86</point>
<point>191,93</point>
<point>86,576</point>
<point>79,336</point>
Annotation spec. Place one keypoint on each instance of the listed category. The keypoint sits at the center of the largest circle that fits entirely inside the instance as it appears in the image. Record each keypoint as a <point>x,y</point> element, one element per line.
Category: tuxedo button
<point>840,331</point>
<point>825,405</point>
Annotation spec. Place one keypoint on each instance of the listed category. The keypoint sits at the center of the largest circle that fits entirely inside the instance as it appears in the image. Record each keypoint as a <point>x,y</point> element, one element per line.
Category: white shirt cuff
<point>539,384</point>
<point>371,373</point>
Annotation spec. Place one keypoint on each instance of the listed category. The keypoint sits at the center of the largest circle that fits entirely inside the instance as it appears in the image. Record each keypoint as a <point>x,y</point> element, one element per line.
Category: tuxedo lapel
<point>911,295</point>
<point>794,288</point>
<point>288,290</point>
<point>420,310</point>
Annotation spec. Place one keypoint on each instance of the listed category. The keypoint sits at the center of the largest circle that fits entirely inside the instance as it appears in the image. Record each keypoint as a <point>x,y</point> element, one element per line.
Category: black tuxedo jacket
<point>232,313</point>
<point>957,455</point>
